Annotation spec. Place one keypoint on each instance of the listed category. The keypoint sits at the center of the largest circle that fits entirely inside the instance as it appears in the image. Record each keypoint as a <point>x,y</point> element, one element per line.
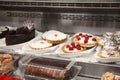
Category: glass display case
<point>94,17</point>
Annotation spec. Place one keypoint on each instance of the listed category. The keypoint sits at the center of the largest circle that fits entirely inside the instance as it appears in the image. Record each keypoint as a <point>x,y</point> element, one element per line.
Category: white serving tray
<point>70,55</point>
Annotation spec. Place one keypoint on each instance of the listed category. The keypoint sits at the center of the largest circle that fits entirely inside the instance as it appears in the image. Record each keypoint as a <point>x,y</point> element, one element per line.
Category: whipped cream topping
<point>84,38</point>
<point>109,52</point>
<point>89,40</point>
<point>54,35</point>
<point>40,44</point>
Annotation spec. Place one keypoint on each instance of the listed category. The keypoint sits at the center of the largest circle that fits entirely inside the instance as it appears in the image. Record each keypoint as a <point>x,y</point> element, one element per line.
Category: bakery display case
<point>84,31</point>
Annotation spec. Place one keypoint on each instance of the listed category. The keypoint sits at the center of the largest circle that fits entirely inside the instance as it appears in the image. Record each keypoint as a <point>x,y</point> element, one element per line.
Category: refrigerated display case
<point>69,16</point>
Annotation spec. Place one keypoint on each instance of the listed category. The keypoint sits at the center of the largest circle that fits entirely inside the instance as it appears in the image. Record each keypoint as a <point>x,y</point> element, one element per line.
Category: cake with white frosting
<point>38,45</point>
<point>72,48</point>
<point>84,39</point>
<point>54,37</point>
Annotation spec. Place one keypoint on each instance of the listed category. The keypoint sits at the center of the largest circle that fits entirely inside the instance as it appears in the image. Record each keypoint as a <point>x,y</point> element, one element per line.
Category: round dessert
<point>110,48</point>
<point>3,31</point>
<point>20,35</point>
<point>54,37</point>
<point>72,48</point>
<point>85,40</point>
<point>38,45</point>
<point>109,52</point>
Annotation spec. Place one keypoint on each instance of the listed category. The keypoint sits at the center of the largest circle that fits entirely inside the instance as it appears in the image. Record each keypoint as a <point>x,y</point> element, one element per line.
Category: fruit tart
<point>54,37</point>
<point>72,48</point>
<point>85,39</point>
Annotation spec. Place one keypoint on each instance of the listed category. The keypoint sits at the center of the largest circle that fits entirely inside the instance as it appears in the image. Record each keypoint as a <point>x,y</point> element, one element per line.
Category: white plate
<point>28,50</point>
<point>105,60</point>
<point>18,46</point>
<point>70,55</point>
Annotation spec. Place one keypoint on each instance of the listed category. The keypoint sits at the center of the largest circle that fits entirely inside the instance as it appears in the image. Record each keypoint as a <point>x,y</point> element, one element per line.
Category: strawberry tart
<point>85,40</point>
<point>54,37</point>
<point>72,48</point>
<point>38,45</point>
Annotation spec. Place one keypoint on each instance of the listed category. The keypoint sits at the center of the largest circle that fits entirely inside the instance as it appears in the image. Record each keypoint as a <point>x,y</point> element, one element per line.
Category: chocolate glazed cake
<point>21,35</point>
<point>3,31</point>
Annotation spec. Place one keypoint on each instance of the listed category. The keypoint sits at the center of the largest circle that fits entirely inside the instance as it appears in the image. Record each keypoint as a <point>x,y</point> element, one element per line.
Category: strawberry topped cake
<point>54,37</point>
<point>72,48</point>
<point>85,40</point>
<point>38,45</point>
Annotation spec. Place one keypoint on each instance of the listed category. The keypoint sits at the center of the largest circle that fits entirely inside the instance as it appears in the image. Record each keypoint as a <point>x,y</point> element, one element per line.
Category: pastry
<point>38,45</point>
<point>85,40</point>
<point>117,37</point>
<point>3,31</point>
<point>110,76</point>
<point>54,37</point>
<point>110,48</point>
<point>21,35</point>
<point>72,48</point>
<point>6,63</point>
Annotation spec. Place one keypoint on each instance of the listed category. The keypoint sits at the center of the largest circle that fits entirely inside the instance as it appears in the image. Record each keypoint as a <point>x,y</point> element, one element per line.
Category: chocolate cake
<point>3,31</point>
<point>22,34</point>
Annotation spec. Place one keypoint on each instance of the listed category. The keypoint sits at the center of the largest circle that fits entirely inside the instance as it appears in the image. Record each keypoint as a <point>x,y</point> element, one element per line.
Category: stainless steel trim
<point>62,4</point>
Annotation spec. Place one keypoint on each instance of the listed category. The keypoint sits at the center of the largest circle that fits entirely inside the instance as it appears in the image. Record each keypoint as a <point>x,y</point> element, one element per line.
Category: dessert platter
<point>109,51</point>
<point>78,45</point>
<point>13,37</point>
<point>48,42</point>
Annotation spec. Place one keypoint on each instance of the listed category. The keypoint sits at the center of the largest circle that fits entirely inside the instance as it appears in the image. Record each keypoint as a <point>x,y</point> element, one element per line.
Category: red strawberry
<point>67,46</point>
<point>73,44</point>
<point>78,47</point>
<point>78,38</point>
<point>86,41</point>
<point>80,34</point>
<point>90,36</point>
<point>93,39</point>
<point>70,48</point>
